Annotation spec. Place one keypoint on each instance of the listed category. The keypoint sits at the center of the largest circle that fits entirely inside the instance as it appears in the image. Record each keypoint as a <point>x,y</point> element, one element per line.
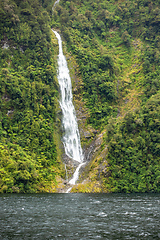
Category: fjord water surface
<point>79,216</point>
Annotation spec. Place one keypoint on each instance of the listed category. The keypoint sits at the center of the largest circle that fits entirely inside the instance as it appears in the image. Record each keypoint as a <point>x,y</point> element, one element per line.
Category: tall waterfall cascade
<point>71,138</point>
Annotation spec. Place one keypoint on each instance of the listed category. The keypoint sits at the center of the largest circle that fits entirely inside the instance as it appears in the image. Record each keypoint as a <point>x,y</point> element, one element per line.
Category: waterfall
<point>55,5</point>
<point>71,138</point>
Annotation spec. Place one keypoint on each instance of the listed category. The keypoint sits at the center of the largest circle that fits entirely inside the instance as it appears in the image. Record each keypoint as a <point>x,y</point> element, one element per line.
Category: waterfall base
<point>72,171</point>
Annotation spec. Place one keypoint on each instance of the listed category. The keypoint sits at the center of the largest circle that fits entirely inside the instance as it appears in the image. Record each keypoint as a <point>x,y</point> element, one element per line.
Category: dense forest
<point>28,93</point>
<point>116,46</point>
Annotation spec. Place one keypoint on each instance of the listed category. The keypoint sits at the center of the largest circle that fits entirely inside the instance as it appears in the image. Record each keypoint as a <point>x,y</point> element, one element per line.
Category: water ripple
<point>79,216</point>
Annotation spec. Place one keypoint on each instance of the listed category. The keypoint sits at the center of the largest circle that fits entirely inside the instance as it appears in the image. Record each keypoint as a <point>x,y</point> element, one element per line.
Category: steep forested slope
<point>28,92</point>
<point>116,44</point>
<point>116,47</point>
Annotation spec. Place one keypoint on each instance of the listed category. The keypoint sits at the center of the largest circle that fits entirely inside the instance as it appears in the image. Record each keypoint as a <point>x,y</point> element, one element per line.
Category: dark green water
<point>79,216</point>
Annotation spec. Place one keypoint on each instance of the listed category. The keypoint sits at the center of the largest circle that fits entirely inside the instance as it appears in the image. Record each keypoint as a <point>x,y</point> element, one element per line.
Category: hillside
<point>116,46</point>
<point>112,48</point>
<point>29,158</point>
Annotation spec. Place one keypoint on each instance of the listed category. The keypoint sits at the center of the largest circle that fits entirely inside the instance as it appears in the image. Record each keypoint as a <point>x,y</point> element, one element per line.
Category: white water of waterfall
<point>71,138</point>
<point>55,5</point>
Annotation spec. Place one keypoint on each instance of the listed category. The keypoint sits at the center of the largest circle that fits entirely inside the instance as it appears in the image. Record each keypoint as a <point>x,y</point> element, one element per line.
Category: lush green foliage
<point>134,150</point>
<point>116,44</point>
<point>28,156</point>
<point>82,32</point>
<point>92,30</point>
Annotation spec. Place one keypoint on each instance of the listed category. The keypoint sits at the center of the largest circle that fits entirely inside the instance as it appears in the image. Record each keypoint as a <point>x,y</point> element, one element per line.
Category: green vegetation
<point>28,93</point>
<point>116,44</point>
<point>134,150</point>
